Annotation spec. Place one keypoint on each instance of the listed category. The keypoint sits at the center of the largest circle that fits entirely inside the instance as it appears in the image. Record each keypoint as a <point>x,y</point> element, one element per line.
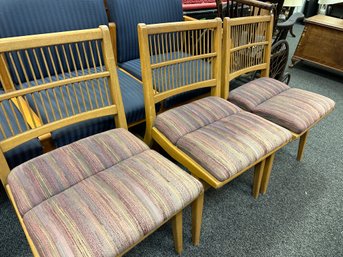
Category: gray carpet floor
<point>301,214</point>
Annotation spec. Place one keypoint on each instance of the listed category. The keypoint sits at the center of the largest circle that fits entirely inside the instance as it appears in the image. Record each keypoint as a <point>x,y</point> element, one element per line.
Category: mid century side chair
<point>100,195</point>
<point>214,139</point>
<point>19,18</point>
<point>294,109</point>
<point>125,16</point>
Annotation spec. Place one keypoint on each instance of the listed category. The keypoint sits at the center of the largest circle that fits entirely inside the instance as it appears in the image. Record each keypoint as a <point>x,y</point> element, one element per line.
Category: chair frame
<point>264,66</point>
<point>116,109</point>
<point>263,165</point>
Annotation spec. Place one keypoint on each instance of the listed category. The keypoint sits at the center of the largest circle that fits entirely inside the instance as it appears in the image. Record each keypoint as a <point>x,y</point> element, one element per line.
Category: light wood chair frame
<point>263,66</point>
<point>115,108</point>
<point>152,97</point>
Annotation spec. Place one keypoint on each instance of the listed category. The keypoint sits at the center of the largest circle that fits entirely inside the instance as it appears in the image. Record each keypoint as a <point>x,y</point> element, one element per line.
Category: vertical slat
<point>95,71</point>
<point>57,78</point>
<point>15,70</point>
<point>38,65</point>
<point>23,67</point>
<point>31,67</point>
<point>15,116</point>
<point>7,119</point>
<point>21,109</point>
<point>64,77</point>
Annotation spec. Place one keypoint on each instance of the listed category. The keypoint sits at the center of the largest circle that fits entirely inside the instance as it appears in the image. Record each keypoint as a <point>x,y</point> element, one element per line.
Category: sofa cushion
<point>292,108</point>
<point>133,67</point>
<point>22,152</point>
<point>99,196</point>
<point>132,95</point>
<point>220,136</point>
<point>19,18</point>
<point>127,14</point>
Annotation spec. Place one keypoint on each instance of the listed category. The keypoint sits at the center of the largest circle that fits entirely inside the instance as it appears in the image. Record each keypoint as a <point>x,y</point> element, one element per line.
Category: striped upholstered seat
<point>220,136</point>
<point>98,196</point>
<point>294,109</point>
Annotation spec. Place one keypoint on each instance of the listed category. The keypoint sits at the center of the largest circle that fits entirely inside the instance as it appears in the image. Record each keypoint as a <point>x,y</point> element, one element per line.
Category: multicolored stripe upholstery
<point>292,108</point>
<point>98,196</point>
<point>220,136</point>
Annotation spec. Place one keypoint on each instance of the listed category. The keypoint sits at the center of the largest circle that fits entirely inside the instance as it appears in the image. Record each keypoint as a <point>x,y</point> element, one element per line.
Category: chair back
<point>20,18</point>
<point>126,14</point>
<point>177,58</point>
<point>72,97</point>
<point>278,60</point>
<point>247,47</point>
<point>242,8</point>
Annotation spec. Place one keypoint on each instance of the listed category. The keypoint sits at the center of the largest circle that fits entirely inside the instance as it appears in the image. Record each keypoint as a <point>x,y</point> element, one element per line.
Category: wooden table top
<point>326,21</point>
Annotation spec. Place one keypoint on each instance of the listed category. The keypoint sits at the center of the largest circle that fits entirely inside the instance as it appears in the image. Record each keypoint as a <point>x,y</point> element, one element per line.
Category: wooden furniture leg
<point>177,232</point>
<point>301,147</point>
<point>258,178</point>
<point>197,207</point>
<point>266,173</point>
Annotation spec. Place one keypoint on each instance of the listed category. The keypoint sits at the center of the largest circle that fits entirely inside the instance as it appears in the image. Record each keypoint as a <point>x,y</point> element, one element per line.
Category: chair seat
<point>220,136</point>
<point>98,196</point>
<point>294,109</point>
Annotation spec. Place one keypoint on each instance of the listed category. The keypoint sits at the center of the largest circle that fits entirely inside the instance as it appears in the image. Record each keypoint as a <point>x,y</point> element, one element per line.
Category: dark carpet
<point>301,214</point>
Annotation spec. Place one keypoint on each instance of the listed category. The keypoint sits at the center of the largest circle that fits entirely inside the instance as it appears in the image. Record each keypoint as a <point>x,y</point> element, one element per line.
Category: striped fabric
<point>132,95</point>
<point>21,153</point>
<point>221,137</point>
<point>292,108</point>
<point>98,196</point>
<point>127,14</point>
<point>20,18</point>
<point>253,93</point>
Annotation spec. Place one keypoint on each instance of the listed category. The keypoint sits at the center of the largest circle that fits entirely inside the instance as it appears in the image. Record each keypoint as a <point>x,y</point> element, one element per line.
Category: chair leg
<point>257,178</point>
<point>177,232</point>
<point>301,147</point>
<point>197,207</point>
<point>266,173</point>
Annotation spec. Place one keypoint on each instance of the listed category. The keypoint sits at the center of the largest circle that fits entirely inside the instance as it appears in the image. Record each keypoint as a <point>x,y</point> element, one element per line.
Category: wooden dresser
<point>321,42</point>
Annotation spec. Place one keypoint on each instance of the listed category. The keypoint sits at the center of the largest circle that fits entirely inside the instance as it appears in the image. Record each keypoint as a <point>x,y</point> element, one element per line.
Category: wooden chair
<point>215,140</point>
<point>124,17</point>
<point>295,109</point>
<point>57,16</point>
<point>94,196</point>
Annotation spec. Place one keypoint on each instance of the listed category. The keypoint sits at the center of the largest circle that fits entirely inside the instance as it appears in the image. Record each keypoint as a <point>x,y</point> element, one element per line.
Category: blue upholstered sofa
<point>18,18</point>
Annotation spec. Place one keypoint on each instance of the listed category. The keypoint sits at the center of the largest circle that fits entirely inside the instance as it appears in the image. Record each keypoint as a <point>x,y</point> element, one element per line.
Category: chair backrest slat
<point>61,100</point>
<point>247,45</point>
<point>21,18</point>
<point>177,58</point>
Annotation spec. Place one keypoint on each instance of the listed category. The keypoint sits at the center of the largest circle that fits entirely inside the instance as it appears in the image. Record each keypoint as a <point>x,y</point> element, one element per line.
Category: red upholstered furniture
<point>188,5</point>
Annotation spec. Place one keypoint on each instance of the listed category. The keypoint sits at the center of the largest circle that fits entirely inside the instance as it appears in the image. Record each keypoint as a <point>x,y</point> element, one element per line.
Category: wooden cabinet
<point>321,42</point>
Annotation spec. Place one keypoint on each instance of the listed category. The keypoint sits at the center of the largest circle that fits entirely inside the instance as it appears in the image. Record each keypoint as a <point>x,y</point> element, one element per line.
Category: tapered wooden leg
<point>301,147</point>
<point>257,178</point>
<point>266,173</point>
<point>177,232</point>
<point>197,207</point>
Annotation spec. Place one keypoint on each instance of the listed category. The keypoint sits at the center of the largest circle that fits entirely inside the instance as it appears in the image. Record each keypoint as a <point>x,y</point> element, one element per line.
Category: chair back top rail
<point>79,93</point>
<point>247,42</point>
